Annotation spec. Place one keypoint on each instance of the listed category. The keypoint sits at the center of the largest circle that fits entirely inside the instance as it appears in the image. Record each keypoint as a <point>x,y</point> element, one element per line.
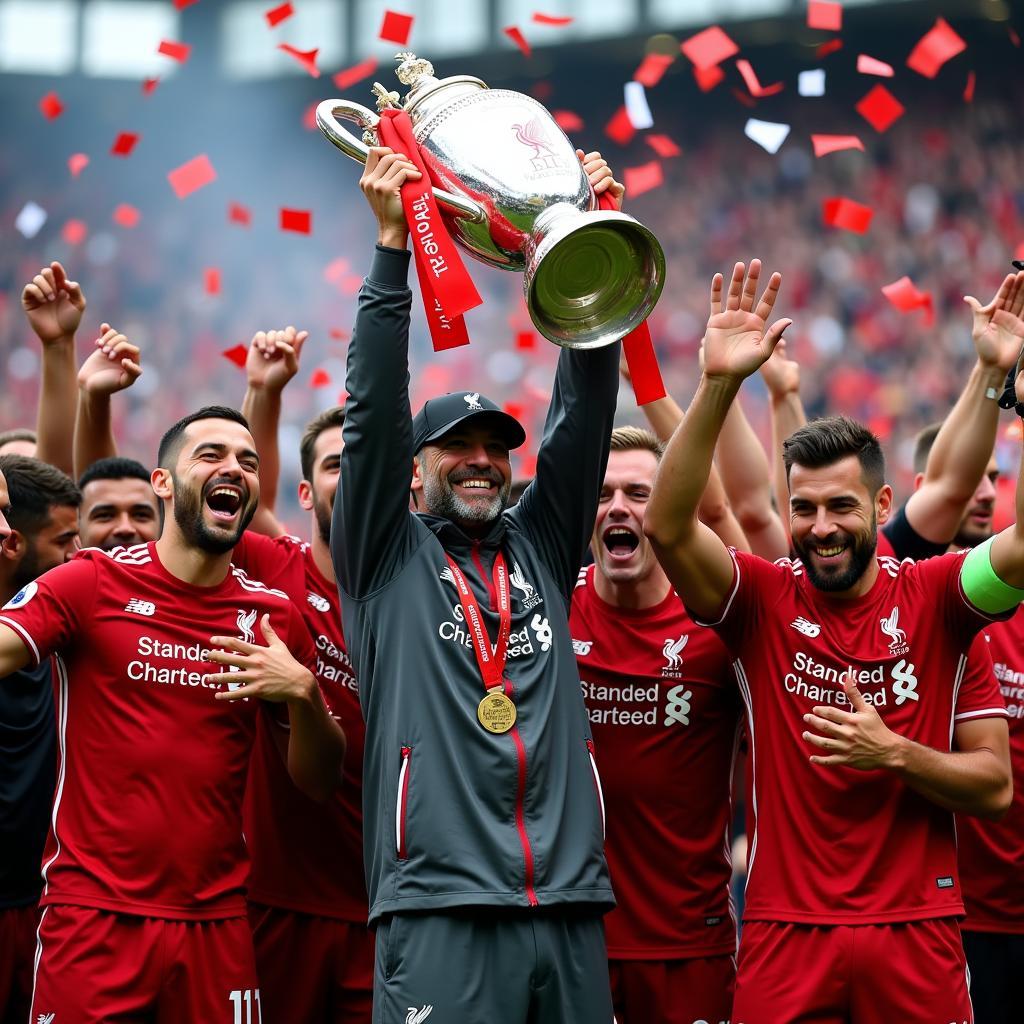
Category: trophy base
<point>592,277</point>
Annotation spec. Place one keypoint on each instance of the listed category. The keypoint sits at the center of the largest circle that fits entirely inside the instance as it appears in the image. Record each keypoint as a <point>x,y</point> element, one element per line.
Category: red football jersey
<point>992,852</point>
<point>665,716</point>
<point>147,817</point>
<point>307,856</point>
<point>831,845</point>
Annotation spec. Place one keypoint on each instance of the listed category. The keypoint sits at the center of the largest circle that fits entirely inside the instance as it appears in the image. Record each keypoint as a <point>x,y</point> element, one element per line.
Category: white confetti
<point>766,134</point>
<point>31,219</point>
<point>637,110</point>
<point>811,83</point>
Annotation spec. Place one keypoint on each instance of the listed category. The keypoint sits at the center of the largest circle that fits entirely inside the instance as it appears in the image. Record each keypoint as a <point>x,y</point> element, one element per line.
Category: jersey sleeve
<point>271,560</point>
<point>979,695</point>
<point>49,611</point>
<point>940,581</point>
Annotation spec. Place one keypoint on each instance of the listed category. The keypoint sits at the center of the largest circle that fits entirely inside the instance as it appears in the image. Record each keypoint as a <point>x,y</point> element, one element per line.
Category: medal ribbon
<point>638,349</point>
<point>446,288</point>
<point>491,661</point>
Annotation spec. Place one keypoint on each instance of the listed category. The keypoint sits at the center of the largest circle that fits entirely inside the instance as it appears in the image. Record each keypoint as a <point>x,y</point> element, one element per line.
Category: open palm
<point>736,341</point>
<point>998,329</point>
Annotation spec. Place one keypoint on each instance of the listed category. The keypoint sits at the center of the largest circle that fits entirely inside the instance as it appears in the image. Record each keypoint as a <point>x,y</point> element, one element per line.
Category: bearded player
<point>161,684</point>
<point>864,732</point>
<point>665,716</point>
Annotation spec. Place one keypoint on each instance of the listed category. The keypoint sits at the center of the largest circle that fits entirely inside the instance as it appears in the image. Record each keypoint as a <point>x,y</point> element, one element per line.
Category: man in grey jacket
<point>483,813</point>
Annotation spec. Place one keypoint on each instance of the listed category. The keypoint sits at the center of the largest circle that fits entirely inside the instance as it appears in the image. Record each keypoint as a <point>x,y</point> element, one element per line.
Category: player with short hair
<point>161,683</point>
<point>865,729</point>
<point>19,441</point>
<point>119,508</point>
<point>665,717</point>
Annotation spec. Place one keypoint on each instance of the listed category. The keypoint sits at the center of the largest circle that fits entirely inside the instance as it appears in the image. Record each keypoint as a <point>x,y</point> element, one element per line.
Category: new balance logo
<point>581,648</point>
<point>140,607</point>
<point>473,401</point>
<point>447,576</point>
<point>321,604</point>
<point>415,1016</point>
<point>805,626</point>
<point>897,638</point>
<point>45,1018</point>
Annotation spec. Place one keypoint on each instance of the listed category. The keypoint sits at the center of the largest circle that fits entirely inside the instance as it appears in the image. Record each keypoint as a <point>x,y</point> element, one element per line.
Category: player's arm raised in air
<point>736,343</point>
<point>53,306</point>
<point>273,360</point>
<point>963,446</point>
<point>113,365</point>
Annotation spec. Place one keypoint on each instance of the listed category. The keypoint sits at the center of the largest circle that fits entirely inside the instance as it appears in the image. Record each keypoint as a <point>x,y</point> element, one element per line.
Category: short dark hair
<point>35,488</point>
<point>18,434</point>
<point>333,417</point>
<point>113,468</point>
<point>170,443</point>
<point>923,446</point>
<point>825,441</point>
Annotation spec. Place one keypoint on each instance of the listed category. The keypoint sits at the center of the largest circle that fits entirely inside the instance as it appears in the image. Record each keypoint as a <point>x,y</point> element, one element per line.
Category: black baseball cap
<point>439,415</point>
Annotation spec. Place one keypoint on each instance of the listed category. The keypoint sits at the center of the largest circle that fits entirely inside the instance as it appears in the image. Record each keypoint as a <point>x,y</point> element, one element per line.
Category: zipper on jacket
<point>402,802</point>
<point>597,784</point>
<point>531,893</point>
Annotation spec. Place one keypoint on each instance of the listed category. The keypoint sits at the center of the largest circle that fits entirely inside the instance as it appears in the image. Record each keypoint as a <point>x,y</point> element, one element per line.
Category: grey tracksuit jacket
<point>455,816</point>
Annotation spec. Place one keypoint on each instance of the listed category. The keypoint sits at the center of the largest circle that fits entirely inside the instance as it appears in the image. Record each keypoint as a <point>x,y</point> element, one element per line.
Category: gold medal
<point>496,712</point>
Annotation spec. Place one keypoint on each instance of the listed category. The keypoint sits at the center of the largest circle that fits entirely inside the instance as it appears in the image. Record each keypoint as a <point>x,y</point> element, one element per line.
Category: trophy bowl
<point>513,194</point>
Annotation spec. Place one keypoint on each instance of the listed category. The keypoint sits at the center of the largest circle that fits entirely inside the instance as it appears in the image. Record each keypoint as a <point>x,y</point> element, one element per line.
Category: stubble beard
<point>441,499</point>
<point>188,514</point>
<point>861,551</point>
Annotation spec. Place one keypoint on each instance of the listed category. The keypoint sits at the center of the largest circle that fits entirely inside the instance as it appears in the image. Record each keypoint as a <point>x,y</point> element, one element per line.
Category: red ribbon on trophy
<point>445,285</point>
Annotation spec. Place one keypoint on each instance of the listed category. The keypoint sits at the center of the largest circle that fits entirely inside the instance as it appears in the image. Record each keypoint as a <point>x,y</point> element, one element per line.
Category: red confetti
<point>757,90</point>
<point>869,66</point>
<point>124,144</point>
<point>639,180</point>
<point>519,39</point>
<point>278,14</point>
<point>336,270</point>
<point>342,398</point>
<point>620,129</point>
<point>182,4</point>
<point>907,297</point>
<point>554,20</point>
<point>830,47</point>
<point>938,45</point>
<point>709,48</point>
<point>74,232</point>
<point>396,28</point>
<point>351,76</point>
<point>77,163</point>
<point>567,120</point>
<point>237,355</point>
<point>880,108</point>
<point>526,340</point>
<point>192,175</point>
<point>514,409</point>
<point>969,88</point>
<point>211,281</point>
<point>351,283</point>
<point>299,221</point>
<point>1019,254</point>
<point>745,98</point>
<point>149,85</point>
<point>309,117</point>
<point>51,106</point>
<point>238,214</point>
<point>824,15</point>
<point>176,51</point>
<point>542,90</point>
<point>708,78</point>
<point>825,144</point>
<point>663,145</point>
<point>320,379</point>
<point>127,216</point>
<point>845,213</point>
<point>306,58</point>
<point>337,334</point>
<point>652,69</point>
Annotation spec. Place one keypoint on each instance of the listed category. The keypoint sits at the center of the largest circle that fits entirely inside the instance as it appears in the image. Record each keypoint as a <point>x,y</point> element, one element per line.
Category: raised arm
<point>54,307</point>
<point>736,343</point>
<point>273,360</point>
<point>963,446</point>
<point>782,378</point>
<point>372,523</point>
<point>114,365</point>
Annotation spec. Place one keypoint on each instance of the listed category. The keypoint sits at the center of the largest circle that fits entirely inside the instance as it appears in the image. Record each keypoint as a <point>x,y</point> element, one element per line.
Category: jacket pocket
<point>597,784</point>
<point>402,802</point>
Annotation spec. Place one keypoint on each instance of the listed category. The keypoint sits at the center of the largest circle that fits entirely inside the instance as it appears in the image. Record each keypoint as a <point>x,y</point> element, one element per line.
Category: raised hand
<point>780,374</point>
<point>736,341</point>
<point>53,304</point>
<point>600,176</point>
<point>273,358</point>
<point>113,366</point>
<point>384,174</point>
<point>998,329</point>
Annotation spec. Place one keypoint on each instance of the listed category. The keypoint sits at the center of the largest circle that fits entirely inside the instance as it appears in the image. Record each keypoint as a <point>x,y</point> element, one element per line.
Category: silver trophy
<point>514,195</point>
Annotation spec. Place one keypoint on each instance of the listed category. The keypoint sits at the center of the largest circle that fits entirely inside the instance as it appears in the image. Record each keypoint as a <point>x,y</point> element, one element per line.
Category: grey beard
<point>441,500</point>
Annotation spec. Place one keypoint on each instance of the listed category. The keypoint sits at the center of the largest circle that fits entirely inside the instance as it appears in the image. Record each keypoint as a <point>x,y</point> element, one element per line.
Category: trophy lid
<point>418,74</point>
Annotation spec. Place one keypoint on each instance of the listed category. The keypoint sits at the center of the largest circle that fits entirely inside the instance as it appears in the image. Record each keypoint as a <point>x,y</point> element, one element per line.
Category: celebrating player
<point>852,669</point>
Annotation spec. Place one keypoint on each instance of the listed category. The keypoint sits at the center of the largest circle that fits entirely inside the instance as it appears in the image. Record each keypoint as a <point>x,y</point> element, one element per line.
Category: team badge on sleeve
<point>23,596</point>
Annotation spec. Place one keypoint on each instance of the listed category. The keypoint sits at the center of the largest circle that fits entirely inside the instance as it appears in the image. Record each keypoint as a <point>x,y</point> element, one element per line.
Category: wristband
<point>982,587</point>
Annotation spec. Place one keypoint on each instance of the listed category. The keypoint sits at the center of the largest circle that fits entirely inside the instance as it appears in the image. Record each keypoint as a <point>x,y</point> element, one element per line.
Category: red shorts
<point>673,991</point>
<point>94,966</point>
<point>313,970</point>
<point>17,952</point>
<point>913,973</point>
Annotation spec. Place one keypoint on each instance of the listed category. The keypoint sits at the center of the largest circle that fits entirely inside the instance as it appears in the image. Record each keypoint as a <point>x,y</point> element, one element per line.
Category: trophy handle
<point>327,119</point>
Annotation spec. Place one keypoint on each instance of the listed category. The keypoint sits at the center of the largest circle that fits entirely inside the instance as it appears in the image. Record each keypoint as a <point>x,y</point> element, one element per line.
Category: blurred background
<point>188,280</point>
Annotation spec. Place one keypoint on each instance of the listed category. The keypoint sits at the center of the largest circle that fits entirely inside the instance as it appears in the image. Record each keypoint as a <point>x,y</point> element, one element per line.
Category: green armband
<point>982,587</point>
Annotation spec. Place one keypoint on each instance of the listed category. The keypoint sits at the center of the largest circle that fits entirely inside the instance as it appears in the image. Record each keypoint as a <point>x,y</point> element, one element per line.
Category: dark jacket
<point>456,816</point>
